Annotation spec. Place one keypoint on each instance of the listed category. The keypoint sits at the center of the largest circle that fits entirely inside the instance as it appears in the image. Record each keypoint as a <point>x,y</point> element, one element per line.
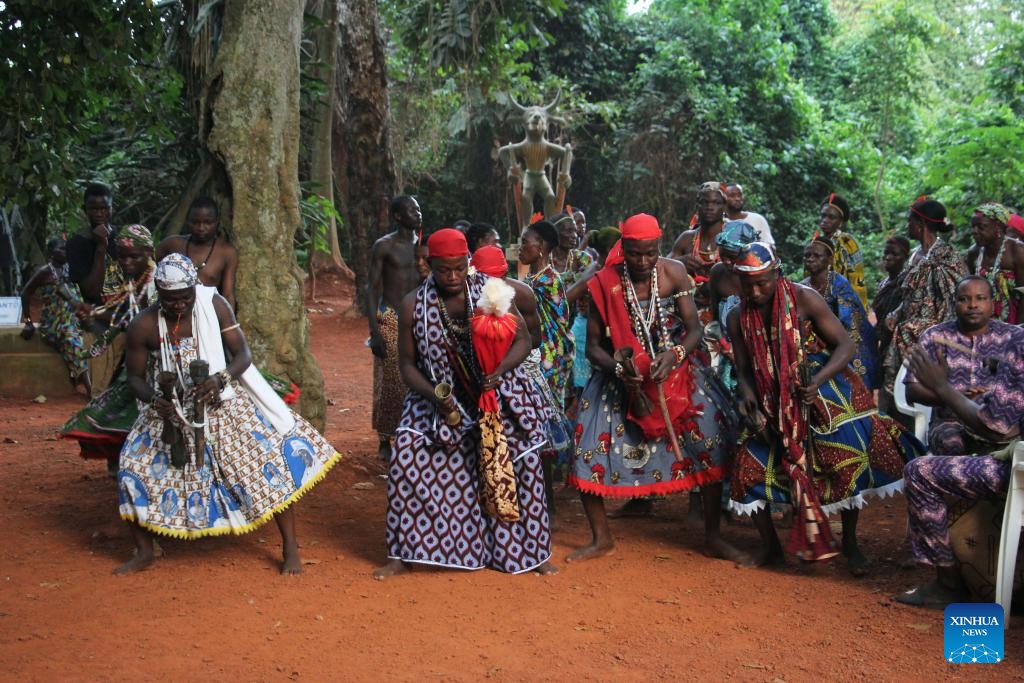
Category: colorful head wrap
<point>735,235</point>
<point>490,260</point>
<point>642,226</point>
<point>1016,224</point>
<point>447,243</point>
<point>756,258</point>
<point>838,203</point>
<point>175,271</point>
<point>135,236</point>
<point>996,212</point>
<point>712,186</point>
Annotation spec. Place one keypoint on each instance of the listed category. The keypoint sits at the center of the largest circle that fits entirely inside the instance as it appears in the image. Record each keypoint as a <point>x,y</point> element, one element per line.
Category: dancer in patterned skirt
<point>259,457</point>
<point>647,423</point>
<point>816,440</point>
<point>435,511</point>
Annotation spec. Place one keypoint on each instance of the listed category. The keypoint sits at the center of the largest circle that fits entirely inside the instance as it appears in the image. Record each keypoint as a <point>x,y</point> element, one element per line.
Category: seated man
<point>436,493</point>
<point>259,457</point>
<point>816,439</point>
<point>974,344</point>
<point>989,407</point>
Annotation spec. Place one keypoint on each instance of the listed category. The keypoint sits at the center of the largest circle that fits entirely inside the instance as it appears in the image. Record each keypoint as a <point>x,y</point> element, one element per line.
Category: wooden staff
<point>171,436</point>
<point>199,371</point>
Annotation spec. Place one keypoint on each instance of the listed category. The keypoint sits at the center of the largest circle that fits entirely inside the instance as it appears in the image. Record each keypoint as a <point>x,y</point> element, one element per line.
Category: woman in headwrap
<point>928,288</point>
<point>833,215</point>
<point>844,303</point>
<point>997,258</point>
<point>101,426</point>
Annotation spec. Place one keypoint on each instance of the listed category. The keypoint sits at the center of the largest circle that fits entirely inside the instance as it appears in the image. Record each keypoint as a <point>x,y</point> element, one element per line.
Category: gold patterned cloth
<point>251,471</point>
<point>388,387</point>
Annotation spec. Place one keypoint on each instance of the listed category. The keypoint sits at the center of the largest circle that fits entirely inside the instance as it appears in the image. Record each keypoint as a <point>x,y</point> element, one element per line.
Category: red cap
<point>490,260</point>
<point>447,243</point>
<point>642,226</point>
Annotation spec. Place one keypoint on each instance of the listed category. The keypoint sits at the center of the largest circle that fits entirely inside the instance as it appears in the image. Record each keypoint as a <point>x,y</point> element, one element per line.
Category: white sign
<point>10,310</point>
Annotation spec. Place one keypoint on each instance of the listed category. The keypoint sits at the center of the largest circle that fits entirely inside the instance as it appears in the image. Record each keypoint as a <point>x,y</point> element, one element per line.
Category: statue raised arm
<point>527,162</point>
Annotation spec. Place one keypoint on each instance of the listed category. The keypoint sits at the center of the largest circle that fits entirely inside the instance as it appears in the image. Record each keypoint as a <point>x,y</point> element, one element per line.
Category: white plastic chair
<point>1013,521</point>
<point>922,414</point>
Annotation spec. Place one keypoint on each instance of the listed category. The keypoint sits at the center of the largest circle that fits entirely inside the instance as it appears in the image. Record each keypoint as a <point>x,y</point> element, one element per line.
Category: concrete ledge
<point>32,367</point>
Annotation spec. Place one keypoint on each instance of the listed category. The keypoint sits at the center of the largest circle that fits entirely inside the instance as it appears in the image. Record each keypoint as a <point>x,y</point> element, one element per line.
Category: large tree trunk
<point>362,142</point>
<point>253,107</point>
<point>321,168</point>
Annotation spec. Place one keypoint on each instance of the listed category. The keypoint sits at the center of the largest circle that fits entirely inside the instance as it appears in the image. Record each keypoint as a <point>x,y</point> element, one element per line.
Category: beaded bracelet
<point>619,370</point>
<point>680,352</point>
<point>224,376</point>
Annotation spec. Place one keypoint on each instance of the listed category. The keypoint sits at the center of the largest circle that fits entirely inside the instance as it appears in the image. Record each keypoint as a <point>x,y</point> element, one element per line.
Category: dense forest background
<point>878,101</point>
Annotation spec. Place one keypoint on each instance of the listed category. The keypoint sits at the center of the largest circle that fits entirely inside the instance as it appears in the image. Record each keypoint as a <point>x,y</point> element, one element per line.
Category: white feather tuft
<point>496,297</point>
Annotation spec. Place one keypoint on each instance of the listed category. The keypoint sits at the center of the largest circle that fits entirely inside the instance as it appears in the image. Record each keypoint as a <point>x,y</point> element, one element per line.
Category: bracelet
<point>619,370</point>
<point>28,321</point>
<point>224,376</point>
<point>680,352</point>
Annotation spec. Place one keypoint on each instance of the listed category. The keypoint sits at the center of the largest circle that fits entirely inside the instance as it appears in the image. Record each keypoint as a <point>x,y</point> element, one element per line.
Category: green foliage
<point>88,100</point>
<point>317,214</point>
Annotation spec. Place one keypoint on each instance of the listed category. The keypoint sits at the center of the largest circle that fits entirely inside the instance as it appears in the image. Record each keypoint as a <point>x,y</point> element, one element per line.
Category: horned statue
<point>527,163</point>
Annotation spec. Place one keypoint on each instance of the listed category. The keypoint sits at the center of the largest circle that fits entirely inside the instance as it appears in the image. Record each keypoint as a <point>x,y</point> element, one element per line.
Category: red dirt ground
<point>217,608</point>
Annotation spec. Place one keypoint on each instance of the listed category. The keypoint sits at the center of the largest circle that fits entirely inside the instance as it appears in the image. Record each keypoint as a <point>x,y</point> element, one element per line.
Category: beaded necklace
<point>188,243</point>
<point>643,322</point>
<point>460,335</point>
<point>993,272</point>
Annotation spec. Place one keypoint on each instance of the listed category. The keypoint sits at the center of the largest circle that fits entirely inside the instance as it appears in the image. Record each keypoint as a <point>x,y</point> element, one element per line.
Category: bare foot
<point>546,569</point>
<point>717,547</point>
<point>635,507</point>
<point>392,568</point>
<point>764,558</point>
<point>138,562</point>
<point>292,564</point>
<point>589,552</point>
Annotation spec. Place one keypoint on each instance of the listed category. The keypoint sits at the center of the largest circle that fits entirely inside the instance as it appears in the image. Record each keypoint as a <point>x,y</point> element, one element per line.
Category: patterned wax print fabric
<point>434,510</point>
<point>101,426</point>
<point>556,342</point>
<point>558,430</point>
<point>849,262</point>
<point>929,289</point>
<point>388,386</point>
<point>613,459</point>
<point>60,327</point>
<point>250,470</point>
<point>1004,282</point>
<point>576,263</point>
<point>853,450</point>
<point>984,365</point>
<point>846,306</point>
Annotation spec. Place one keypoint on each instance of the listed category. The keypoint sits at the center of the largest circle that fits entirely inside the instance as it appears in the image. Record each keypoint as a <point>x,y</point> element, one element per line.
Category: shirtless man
<point>696,247</point>
<point>393,274</point>
<point>214,258</point>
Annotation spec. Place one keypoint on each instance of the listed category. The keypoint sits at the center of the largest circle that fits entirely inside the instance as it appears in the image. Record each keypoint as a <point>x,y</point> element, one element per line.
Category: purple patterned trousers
<point>927,479</point>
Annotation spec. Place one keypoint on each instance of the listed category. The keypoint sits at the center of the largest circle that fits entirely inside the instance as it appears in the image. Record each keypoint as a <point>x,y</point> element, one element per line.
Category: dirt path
<point>217,608</point>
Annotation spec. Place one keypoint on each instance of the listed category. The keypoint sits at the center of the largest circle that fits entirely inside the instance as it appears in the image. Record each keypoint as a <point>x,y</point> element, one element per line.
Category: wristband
<point>224,376</point>
<point>680,352</point>
<point>619,370</point>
